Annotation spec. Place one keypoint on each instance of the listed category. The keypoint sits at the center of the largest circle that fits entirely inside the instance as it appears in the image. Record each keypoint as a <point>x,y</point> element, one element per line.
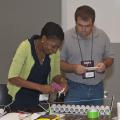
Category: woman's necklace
<point>40,54</point>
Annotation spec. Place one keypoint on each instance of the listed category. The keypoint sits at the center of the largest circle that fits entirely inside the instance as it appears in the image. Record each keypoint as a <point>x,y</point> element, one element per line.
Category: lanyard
<point>81,48</point>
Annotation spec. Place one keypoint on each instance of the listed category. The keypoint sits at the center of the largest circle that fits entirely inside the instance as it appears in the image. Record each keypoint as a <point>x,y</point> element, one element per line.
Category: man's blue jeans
<point>84,94</point>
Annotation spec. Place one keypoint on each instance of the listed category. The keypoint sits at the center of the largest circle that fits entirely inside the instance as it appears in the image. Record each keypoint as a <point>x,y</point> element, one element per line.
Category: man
<point>85,56</point>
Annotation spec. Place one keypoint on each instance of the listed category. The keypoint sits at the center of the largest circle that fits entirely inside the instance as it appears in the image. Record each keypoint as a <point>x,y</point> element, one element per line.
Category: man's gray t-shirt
<point>74,46</point>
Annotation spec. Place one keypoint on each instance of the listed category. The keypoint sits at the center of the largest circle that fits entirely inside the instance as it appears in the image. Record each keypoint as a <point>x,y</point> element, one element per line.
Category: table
<point>78,117</point>
<point>66,117</point>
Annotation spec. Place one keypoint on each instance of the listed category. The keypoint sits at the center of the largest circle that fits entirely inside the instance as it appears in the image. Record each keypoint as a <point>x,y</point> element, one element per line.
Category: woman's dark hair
<point>85,12</point>
<point>34,37</point>
<point>52,30</point>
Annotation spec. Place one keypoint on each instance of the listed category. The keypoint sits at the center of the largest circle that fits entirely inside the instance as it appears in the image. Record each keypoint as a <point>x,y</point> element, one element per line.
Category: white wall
<point>107,15</point>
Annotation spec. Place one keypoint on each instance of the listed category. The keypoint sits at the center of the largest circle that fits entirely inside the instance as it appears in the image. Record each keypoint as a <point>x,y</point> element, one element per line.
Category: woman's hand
<point>65,87</point>
<point>57,78</point>
<point>60,79</point>
<point>46,89</point>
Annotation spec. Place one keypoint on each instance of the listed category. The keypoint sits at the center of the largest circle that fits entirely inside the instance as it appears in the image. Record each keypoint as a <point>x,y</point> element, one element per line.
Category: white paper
<point>10,116</point>
<point>91,68</point>
<point>43,97</point>
<point>118,110</point>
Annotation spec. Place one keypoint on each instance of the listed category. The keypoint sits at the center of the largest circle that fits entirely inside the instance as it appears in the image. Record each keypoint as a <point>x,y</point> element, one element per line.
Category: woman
<point>30,67</point>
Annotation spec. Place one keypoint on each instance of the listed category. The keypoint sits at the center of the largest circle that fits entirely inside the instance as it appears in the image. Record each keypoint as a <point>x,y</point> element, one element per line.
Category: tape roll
<point>93,114</point>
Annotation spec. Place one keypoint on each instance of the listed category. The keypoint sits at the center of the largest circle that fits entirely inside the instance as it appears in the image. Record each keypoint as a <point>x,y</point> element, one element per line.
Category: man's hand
<point>101,67</point>
<point>79,69</point>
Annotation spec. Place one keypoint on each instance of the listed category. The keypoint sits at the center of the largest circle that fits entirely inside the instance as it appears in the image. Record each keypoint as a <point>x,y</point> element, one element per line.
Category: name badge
<point>91,73</point>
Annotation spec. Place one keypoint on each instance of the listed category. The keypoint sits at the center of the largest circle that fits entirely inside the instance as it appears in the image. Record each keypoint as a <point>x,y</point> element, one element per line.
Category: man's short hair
<point>85,13</point>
